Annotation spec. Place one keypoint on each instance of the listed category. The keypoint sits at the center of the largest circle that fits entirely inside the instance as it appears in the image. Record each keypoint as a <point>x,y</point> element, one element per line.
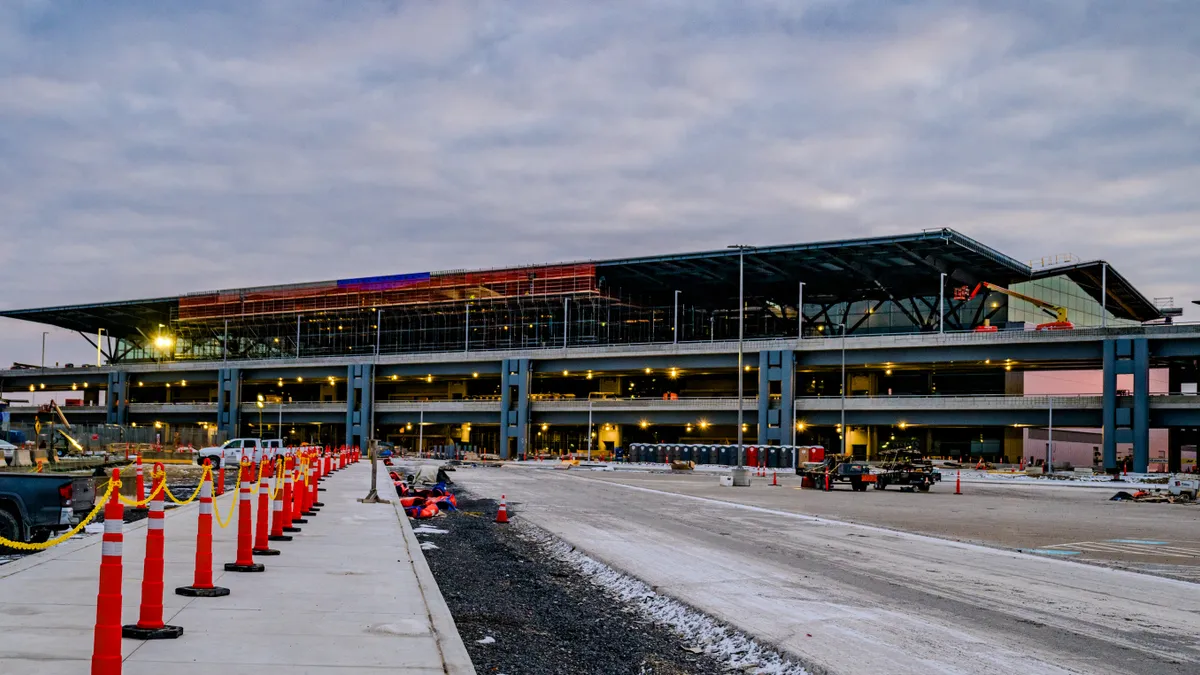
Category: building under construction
<point>923,339</point>
<point>904,284</point>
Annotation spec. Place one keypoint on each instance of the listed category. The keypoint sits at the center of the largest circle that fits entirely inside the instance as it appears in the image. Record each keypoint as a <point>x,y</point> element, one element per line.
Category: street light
<point>44,334</point>
<point>260,404</point>
<point>845,431</point>
<point>675,326</point>
<point>942,304</point>
<point>741,249</point>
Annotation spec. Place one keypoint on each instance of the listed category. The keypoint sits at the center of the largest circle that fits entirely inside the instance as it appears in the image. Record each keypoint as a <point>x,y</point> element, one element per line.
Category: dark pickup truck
<point>35,505</point>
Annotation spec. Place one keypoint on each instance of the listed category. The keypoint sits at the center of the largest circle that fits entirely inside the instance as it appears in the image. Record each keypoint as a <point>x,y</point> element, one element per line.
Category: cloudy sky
<point>151,148</point>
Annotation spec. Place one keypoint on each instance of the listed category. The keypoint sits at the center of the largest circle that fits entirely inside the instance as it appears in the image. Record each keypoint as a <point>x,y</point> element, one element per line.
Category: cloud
<point>150,149</point>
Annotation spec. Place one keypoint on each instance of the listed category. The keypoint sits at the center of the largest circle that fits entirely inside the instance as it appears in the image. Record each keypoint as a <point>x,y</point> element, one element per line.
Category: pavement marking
<point>1129,547</point>
<point>1052,551</point>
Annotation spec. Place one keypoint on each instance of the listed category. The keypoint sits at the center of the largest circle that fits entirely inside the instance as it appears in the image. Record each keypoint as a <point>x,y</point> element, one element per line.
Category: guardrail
<point>809,342</point>
<point>970,402</point>
<point>437,406</point>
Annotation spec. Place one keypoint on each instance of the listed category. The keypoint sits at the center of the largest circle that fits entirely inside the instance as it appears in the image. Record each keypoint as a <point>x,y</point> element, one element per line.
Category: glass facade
<point>1082,309</point>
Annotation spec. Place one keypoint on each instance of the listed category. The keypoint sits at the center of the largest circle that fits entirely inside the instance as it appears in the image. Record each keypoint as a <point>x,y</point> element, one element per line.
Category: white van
<point>230,453</point>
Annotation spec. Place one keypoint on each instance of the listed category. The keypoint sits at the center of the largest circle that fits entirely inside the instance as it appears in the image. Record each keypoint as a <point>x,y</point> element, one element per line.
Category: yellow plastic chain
<point>237,497</point>
<point>278,478</point>
<point>196,493</point>
<point>22,546</point>
<point>150,497</point>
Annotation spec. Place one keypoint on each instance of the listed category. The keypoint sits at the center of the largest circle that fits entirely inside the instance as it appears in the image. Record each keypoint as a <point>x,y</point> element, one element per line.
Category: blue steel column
<point>1110,406</point>
<point>505,403</point>
<point>775,418</point>
<point>117,406</point>
<point>229,400</point>
<point>525,372</point>
<point>764,396</point>
<point>1141,405</point>
<point>514,419</point>
<point>358,403</point>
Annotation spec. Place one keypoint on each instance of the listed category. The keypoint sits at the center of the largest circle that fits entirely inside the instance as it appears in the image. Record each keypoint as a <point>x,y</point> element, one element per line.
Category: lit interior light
<point>644,423</point>
<point>183,383</point>
<point>474,374</point>
<point>647,371</point>
<point>299,379</point>
<point>565,373</point>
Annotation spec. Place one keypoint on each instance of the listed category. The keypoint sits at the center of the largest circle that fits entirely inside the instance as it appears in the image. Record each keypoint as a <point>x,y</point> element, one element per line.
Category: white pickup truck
<point>230,453</point>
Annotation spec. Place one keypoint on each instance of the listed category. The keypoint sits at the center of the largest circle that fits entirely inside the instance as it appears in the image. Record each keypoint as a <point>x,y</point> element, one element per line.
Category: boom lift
<point>1060,313</point>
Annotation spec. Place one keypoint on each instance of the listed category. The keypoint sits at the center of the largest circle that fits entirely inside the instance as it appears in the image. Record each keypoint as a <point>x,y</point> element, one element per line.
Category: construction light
<point>888,371</point>
<point>747,369</point>
<point>168,385</point>
<point>703,424</point>
<point>429,378</point>
<point>42,386</point>
<point>85,385</point>
<point>545,427</point>
<point>141,384</point>
<point>183,383</point>
<point>395,377</point>
<point>647,371</point>
<point>800,426</point>
<point>565,373</point>
<point>903,425</point>
<point>163,342</point>
<point>474,374</point>
<point>589,376</point>
<point>74,386</point>
<point>299,379</point>
<point>673,374</point>
<point>158,425</point>
<point>644,423</point>
<point>32,388</point>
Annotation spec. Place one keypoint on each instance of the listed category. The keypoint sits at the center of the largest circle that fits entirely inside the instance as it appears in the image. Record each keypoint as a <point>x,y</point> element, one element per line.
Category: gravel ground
<point>520,612</point>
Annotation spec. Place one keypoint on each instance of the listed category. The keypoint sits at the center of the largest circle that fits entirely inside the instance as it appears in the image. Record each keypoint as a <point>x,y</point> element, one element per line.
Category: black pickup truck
<point>35,505</point>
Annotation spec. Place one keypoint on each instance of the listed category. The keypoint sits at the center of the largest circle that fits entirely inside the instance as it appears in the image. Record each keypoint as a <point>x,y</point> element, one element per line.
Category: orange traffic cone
<point>202,585</point>
<point>150,624</point>
<point>245,556</point>
<point>502,512</point>
<point>106,645</point>
<point>958,482</point>
<point>261,526</point>
<point>278,512</point>
<point>141,482</point>
<point>775,478</point>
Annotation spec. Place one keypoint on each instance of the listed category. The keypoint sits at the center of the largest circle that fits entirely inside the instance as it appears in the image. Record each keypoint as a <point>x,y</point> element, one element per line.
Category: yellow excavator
<point>1060,313</point>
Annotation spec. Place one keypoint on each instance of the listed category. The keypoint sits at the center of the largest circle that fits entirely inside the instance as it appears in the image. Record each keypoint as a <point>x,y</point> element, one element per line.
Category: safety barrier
<point>756,456</point>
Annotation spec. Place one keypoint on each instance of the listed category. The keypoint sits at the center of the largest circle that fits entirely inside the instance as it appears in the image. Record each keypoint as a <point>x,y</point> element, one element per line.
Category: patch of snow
<point>486,641</point>
<point>94,528</point>
<point>731,647</point>
<point>425,529</point>
<point>428,546</point>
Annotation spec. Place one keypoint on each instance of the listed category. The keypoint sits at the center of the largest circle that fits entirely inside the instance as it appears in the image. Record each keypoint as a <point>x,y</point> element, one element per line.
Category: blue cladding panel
<point>383,283</point>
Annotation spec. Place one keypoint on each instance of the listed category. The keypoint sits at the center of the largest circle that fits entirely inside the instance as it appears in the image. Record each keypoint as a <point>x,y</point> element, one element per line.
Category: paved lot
<point>859,599</point>
<point>351,594</point>
<point>1160,537</point>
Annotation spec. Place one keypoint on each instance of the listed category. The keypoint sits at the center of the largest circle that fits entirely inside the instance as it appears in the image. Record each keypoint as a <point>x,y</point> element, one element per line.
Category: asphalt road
<point>1073,522</point>
<point>852,598</point>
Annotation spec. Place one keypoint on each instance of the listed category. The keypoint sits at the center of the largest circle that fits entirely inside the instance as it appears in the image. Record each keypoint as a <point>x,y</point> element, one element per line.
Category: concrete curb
<point>454,653</point>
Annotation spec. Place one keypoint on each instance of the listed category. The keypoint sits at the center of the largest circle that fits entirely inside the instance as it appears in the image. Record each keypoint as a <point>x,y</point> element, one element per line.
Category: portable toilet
<point>687,453</point>
<point>773,457</point>
<point>751,455</point>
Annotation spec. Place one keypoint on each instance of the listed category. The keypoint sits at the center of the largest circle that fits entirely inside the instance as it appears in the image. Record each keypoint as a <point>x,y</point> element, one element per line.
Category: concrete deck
<point>351,593</point>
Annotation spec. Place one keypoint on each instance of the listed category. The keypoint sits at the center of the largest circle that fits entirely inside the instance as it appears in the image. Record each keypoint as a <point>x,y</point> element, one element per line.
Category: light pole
<point>741,249</point>
<point>675,326</point>
<point>800,316</point>
<point>845,431</point>
<point>99,338</point>
<point>942,304</point>
<point>44,334</point>
<point>260,405</point>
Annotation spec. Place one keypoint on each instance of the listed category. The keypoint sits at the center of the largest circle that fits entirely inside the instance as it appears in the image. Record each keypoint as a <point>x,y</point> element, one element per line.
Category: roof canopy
<point>877,268</point>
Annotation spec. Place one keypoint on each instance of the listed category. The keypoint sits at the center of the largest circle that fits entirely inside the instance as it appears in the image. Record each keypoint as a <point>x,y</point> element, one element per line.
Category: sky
<point>151,148</point>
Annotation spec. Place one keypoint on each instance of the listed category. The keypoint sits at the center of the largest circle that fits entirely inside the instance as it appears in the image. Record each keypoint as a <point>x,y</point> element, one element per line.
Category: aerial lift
<point>1060,313</point>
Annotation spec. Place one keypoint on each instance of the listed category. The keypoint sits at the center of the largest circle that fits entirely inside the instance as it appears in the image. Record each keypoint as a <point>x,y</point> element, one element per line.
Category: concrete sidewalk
<point>351,593</point>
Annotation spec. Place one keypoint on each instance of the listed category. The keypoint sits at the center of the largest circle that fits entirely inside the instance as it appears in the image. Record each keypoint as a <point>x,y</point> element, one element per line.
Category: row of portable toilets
<point>771,456</point>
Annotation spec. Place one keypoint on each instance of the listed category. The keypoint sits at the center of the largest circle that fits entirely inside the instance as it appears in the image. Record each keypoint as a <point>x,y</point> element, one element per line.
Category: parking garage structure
<point>896,338</point>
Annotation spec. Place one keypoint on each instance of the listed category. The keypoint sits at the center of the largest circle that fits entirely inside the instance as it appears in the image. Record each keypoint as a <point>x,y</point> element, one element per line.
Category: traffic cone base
<point>302,521</point>
<point>164,633</point>
<point>291,528</point>
<point>238,567</point>
<point>265,551</point>
<point>318,504</point>
<point>193,592</point>
<point>282,537</point>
